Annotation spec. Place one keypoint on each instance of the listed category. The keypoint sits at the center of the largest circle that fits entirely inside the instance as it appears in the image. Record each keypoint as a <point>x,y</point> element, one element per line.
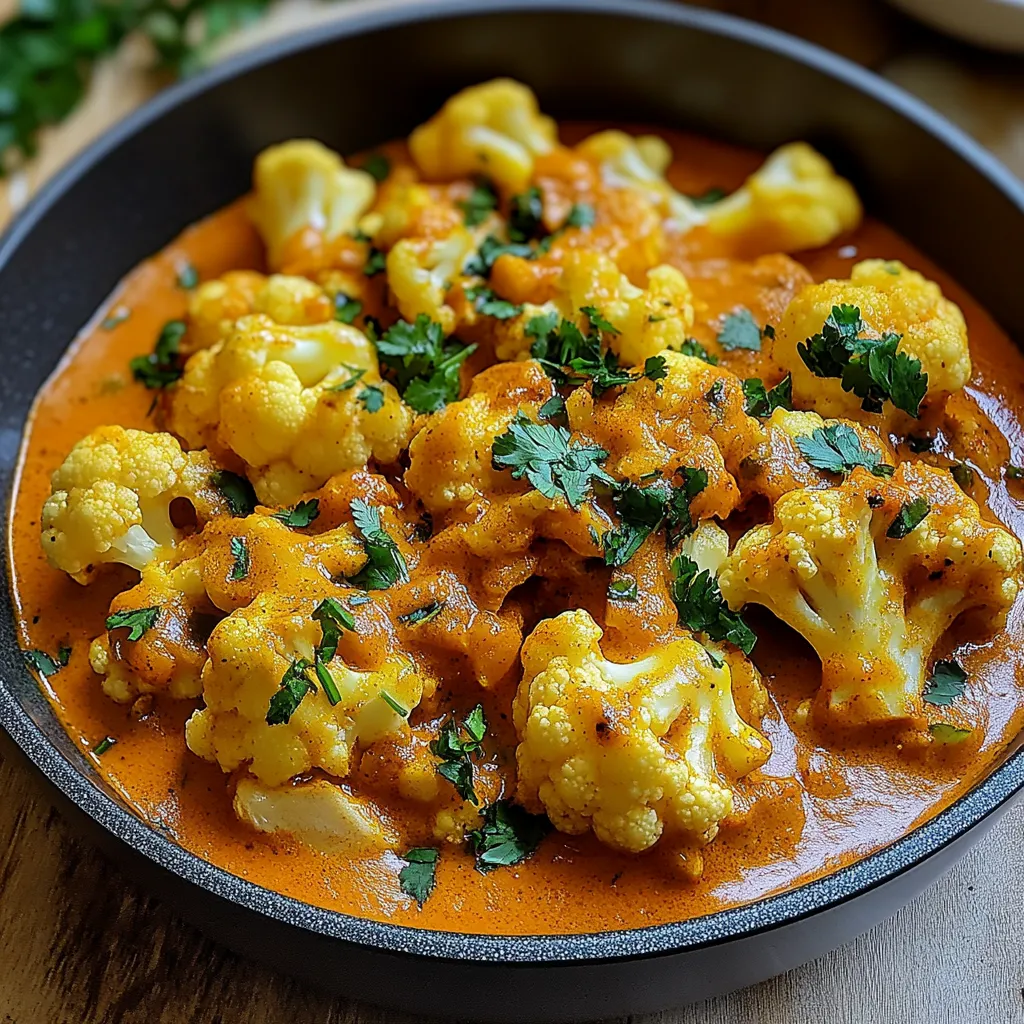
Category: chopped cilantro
<point>654,368</point>
<point>345,309</point>
<point>714,657</point>
<point>240,559</point>
<point>554,410</point>
<point>295,684</point>
<point>761,401</point>
<point>1014,472</point>
<point>581,215</point>
<point>424,367</point>
<point>116,316</point>
<point>188,276</point>
<point>376,262</point>
<point>509,834</point>
<point>301,515</point>
<point>597,320</point>
<point>136,621</point>
<point>334,618</point>
<point>63,655</point>
<point>692,347</point>
<point>525,213</point>
<point>42,662</point>
<point>708,197</point>
<point>236,490</point>
<point>837,448</point>
<point>378,166</point>
<point>104,745</point>
<point>740,330</point>
<point>371,398</point>
<point>480,203</point>
<point>160,368</point>
<point>385,565</point>
<point>872,368</point>
<point>356,374</point>
<point>623,589</point>
<point>702,608</point>
<point>946,684</point>
<point>456,754</point>
<point>544,454</point>
<point>949,735</point>
<point>491,248</point>
<point>908,518</point>
<point>418,877</point>
<point>962,474</point>
<point>485,301</point>
<point>920,443</point>
<point>716,393</point>
<point>326,680</point>
<point>427,613</point>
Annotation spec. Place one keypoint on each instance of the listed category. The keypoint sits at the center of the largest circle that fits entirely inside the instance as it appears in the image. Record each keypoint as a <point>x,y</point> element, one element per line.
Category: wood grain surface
<point>80,943</point>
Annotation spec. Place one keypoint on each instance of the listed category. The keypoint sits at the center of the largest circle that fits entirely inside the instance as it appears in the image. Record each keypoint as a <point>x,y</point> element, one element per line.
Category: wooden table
<point>81,944</point>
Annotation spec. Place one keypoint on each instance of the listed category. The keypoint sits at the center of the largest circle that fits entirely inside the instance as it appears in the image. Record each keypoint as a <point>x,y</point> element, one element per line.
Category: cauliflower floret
<point>300,185</point>
<point>296,404</point>
<point>891,299</point>
<point>693,417</point>
<point>871,585</point>
<point>495,129</point>
<point>648,320</point>
<point>776,465</point>
<point>217,305</point>
<point>794,201</point>
<point>421,272</point>
<point>628,750</point>
<point>640,163</point>
<point>259,651</point>
<point>111,498</point>
<point>318,813</point>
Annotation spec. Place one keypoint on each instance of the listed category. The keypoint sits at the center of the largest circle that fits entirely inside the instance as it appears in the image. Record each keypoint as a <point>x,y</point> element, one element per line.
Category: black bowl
<point>377,71</point>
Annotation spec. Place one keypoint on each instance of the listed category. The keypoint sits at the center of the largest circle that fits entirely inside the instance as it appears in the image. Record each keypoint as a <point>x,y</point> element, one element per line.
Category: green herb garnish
<point>946,683</point>
<point>295,684</point>
<point>692,347</point>
<point>376,262</point>
<point>334,618</point>
<point>837,448</point>
<point>624,589</point>
<point>479,205</point>
<point>456,753</point>
<point>42,662</point>
<point>482,262</point>
<point>908,518</point>
<point>378,166</point>
<point>301,515</point>
<point>104,745</point>
<point>136,621</point>
<point>345,309</point>
<point>418,877</point>
<point>947,734</point>
<point>188,276</point>
<point>485,301</point>
<point>427,613</point>
<point>402,712</point>
<point>761,401</point>
<point>371,398</point>
<point>160,368</point>
<point>740,330</point>
<point>702,608</point>
<point>236,491</point>
<point>709,197</point>
<point>118,316</point>
<point>240,555</point>
<point>509,835</point>
<point>385,565</point>
<point>524,219</point>
<point>581,215</point>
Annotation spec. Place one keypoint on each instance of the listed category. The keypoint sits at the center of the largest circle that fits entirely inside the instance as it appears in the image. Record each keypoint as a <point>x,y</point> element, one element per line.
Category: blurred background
<point>70,68</point>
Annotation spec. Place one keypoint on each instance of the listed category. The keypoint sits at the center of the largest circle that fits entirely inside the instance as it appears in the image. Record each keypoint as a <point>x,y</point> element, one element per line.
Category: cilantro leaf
<point>425,368</point>
<point>418,877</point>
<point>480,203</point>
<point>702,608</point>
<point>581,215</point>
<point>708,197</point>
<point>377,165</point>
<point>654,368</point>
<point>137,621</point>
<point>760,401</point>
<point>482,262</point>
<point>333,618</point>
<point>345,309</point>
<point>42,662</point>
<point>160,368</point>
<point>237,492</point>
<point>240,555</point>
<point>963,475</point>
<point>837,448</point>
<point>456,754</point>
<point>918,443</point>
<point>740,330</point>
<point>947,734</point>
<point>385,565</point>
<point>509,834</point>
<point>486,302</point>
<point>544,454</point>
<point>908,518</point>
<point>692,347</point>
<point>597,320</point>
<point>356,375</point>
<point>295,684</point>
<point>946,683</point>
<point>623,589</point>
<point>187,277</point>
<point>371,398</point>
<point>524,219</point>
<point>104,745</point>
<point>376,262</point>
<point>301,515</point>
<point>554,410</point>
<point>1014,472</point>
<point>427,613</point>
<point>872,368</point>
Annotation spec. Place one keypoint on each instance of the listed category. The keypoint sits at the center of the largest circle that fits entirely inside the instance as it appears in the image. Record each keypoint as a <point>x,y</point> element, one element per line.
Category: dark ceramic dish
<point>191,150</point>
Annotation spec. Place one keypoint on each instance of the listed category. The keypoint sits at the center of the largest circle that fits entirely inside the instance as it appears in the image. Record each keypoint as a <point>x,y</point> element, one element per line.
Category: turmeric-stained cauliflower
<point>267,708</point>
<point>885,341</point>
<point>295,404</point>
<point>647,321</point>
<point>631,750</point>
<point>640,163</point>
<point>872,573</point>
<point>218,304</point>
<point>794,201</point>
<point>494,129</point>
<point>303,185</point>
<point>111,498</point>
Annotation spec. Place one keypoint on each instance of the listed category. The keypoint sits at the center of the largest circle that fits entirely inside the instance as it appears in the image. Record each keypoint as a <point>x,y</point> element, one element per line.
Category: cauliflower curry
<point>524,529</point>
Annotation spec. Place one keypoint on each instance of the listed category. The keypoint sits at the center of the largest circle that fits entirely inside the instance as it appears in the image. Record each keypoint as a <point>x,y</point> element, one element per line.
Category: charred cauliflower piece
<point>111,498</point>
<point>632,751</point>
<point>494,129</point>
<point>302,185</point>
<point>872,573</point>
<point>295,404</point>
<point>794,201</point>
<point>832,331</point>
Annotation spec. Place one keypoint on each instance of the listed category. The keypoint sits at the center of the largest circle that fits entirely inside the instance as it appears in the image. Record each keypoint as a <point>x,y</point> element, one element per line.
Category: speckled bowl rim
<point>84,790</point>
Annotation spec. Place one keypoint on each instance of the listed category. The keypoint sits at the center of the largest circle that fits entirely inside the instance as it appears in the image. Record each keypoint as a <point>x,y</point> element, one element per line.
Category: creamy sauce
<point>830,805</point>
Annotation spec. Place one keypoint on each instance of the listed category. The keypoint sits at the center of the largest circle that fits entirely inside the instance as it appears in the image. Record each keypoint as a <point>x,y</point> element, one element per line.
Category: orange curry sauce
<point>827,804</point>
